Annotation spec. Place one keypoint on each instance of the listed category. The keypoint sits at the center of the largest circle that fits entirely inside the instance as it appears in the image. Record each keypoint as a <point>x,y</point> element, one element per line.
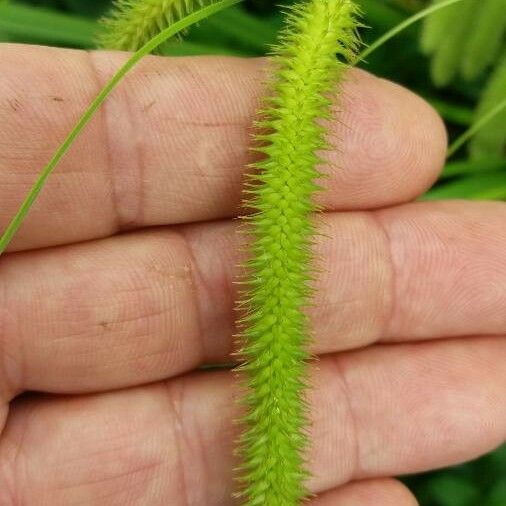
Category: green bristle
<point>132,23</point>
<point>281,268</point>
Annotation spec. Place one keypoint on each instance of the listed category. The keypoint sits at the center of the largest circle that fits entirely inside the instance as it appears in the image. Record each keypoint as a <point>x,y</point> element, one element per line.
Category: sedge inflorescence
<point>280,193</point>
<point>132,23</point>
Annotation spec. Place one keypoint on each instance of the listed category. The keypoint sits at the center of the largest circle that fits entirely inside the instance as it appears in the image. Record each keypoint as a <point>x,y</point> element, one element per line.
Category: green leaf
<point>452,112</point>
<point>446,58</point>
<point>434,28</point>
<point>44,25</point>
<point>379,15</point>
<point>464,39</point>
<point>250,31</point>
<point>491,139</point>
<point>471,167</point>
<point>485,40</point>
<point>497,495</point>
<point>488,186</point>
<point>188,48</point>
<point>449,490</point>
<point>440,6</point>
<point>239,31</point>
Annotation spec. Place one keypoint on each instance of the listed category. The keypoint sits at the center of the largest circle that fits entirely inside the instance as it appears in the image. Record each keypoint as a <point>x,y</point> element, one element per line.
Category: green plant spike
<point>132,23</point>
<point>491,139</point>
<point>155,42</point>
<point>280,193</point>
<point>486,38</point>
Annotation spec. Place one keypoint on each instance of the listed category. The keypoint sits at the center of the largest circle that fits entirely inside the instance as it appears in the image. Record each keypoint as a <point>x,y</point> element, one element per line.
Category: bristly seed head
<point>280,192</point>
<point>132,23</point>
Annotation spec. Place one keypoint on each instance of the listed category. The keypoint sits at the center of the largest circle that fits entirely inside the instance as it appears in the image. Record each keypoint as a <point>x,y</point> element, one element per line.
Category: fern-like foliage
<point>444,38</point>
<point>132,23</point>
<point>490,140</point>
<point>280,193</point>
<point>486,39</point>
<point>464,39</point>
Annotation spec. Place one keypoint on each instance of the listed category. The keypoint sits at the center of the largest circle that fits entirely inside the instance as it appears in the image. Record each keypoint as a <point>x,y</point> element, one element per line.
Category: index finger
<point>171,144</point>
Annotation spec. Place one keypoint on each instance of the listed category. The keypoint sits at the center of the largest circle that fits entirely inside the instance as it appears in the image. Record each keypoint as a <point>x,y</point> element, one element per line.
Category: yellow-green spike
<point>132,23</point>
<point>282,186</point>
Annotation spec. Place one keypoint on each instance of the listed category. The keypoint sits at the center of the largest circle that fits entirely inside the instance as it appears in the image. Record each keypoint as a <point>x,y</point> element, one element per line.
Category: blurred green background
<point>456,60</point>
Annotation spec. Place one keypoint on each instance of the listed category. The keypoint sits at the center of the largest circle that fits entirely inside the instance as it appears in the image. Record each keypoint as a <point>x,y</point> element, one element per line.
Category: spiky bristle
<point>132,23</point>
<point>280,193</point>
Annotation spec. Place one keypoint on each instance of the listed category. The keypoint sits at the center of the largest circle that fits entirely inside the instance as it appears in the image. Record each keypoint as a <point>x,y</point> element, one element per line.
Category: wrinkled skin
<point>120,286</point>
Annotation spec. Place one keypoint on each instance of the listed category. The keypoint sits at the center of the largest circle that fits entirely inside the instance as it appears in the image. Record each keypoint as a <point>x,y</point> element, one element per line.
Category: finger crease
<point>125,163</point>
<point>197,283</point>
<point>356,439</point>
<point>390,300</point>
<point>181,441</point>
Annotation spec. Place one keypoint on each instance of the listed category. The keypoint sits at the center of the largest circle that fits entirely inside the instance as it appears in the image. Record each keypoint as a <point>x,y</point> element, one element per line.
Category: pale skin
<point>120,286</point>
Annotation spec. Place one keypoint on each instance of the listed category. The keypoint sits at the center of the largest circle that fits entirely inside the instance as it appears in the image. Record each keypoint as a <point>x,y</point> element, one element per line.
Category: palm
<point>412,295</point>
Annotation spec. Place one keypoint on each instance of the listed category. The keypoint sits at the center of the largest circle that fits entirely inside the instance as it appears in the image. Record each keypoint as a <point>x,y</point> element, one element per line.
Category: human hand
<point>120,285</point>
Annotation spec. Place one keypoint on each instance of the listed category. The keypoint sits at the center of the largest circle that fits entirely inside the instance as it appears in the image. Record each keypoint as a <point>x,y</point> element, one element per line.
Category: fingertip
<point>391,144</point>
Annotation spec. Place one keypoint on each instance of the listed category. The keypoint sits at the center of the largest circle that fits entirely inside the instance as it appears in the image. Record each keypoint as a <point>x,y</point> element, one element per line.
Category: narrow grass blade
<point>402,26</point>
<point>458,143</point>
<point>193,18</point>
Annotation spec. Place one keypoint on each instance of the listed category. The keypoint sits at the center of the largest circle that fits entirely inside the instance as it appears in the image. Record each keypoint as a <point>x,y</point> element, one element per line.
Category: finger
<point>381,492</point>
<point>142,307</point>
<point>171,144</point>
<point>377,412</point>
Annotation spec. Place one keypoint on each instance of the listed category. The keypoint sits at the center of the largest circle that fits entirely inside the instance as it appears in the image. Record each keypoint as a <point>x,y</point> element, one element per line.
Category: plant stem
<point>402,26</point>
<point>460,141</point>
